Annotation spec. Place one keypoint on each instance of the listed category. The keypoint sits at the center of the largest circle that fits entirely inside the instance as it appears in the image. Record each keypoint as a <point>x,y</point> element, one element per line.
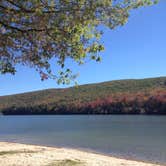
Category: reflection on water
<point>138,137</point>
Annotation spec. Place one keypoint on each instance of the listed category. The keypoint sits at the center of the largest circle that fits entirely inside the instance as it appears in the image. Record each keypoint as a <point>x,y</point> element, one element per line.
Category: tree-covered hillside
<point>146,96</point>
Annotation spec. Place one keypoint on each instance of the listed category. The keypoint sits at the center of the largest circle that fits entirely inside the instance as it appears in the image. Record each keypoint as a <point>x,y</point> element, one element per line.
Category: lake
<point>137,137</point>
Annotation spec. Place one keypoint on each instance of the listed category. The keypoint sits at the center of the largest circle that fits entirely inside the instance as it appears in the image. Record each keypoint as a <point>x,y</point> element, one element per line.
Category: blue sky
<point>136,50</point>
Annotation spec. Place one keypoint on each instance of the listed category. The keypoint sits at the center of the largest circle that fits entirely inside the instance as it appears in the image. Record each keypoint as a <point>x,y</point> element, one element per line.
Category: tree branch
<point>22,30</point>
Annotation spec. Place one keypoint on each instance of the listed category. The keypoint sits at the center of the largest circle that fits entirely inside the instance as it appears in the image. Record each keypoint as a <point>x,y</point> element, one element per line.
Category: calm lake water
<point>137,137</point>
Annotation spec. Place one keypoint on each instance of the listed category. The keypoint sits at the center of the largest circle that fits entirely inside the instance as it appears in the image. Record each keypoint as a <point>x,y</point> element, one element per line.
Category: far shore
<point>16,154</point>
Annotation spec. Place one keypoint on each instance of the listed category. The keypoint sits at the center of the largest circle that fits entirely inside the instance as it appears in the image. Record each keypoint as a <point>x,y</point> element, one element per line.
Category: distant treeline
<point>146,96</point>
<point>154,104</point>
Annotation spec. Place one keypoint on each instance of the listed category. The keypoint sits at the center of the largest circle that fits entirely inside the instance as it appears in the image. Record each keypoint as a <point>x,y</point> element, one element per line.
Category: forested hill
<point>144,96</point>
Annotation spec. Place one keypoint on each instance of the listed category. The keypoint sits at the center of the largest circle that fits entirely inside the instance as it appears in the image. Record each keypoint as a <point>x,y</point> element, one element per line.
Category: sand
<point>15,154</point>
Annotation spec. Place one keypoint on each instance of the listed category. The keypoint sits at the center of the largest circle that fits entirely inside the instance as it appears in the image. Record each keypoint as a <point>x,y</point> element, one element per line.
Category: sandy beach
<point>15,154</point>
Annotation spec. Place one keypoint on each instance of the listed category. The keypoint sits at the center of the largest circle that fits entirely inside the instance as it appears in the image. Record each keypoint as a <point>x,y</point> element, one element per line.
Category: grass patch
<point>15,152</point>
<point>67,162</point>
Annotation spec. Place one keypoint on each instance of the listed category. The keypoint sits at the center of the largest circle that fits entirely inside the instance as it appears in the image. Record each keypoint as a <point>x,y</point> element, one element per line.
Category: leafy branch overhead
<point>32,32</point>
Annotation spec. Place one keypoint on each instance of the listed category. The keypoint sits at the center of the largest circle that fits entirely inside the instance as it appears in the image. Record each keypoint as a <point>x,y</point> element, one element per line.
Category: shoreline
<point>88,150</point>
<point>42,155</point>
